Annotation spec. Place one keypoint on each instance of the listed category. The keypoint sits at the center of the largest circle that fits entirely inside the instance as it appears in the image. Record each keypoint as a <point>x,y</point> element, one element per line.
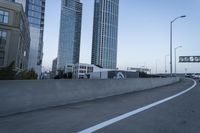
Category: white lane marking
<point>124,116</point>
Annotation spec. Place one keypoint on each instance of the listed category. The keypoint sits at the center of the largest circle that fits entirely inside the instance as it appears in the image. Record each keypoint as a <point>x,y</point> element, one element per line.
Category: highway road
<point>178,114</point>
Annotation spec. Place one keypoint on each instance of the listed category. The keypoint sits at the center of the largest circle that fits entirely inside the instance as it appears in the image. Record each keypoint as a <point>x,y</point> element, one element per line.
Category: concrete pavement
<point>181,114</point>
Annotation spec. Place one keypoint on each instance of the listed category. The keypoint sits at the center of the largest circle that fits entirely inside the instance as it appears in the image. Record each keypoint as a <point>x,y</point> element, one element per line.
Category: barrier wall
<point>22,96</point>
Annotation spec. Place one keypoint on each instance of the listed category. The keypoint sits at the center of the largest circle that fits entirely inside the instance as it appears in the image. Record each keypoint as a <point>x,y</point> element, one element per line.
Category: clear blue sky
<point>143,37</point>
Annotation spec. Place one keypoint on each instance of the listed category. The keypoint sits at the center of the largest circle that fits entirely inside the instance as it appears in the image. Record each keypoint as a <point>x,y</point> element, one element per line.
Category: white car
<point>196,76</point>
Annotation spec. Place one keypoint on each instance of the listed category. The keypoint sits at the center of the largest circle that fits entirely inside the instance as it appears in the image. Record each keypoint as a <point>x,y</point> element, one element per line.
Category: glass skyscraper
<point>35,11</point>
<point>70,33</point>
<point>105,33</point>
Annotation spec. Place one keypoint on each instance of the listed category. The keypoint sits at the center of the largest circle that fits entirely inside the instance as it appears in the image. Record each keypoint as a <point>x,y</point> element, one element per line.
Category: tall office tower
<point>105,33</point>
<point>70,33</point>
<point>54,68</point>
<point>35,11</point>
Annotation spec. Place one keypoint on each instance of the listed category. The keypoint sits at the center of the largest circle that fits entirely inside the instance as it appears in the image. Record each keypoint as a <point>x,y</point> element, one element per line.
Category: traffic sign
<point>189,59</point>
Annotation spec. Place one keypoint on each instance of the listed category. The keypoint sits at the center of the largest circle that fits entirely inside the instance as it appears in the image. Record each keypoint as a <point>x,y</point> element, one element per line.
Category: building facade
<point>54,68</point>
<point>88,71</point>
<point>35,11</point>
<point>14,35</point>
<point>70,33</point>
<point>113,74</point>
<point>105,33</point>
<point>23,2</point>
<point>80,70</point>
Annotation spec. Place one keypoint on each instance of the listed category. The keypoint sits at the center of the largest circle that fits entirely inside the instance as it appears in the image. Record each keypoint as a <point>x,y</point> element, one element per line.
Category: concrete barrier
<point>22,96</point>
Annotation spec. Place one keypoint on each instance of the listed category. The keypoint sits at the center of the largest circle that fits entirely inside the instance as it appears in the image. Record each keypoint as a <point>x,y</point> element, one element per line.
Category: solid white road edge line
<point>124,116</point>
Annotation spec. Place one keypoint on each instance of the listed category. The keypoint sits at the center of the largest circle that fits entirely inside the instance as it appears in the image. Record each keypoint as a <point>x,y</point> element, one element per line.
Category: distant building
<point>14,35</point>
<point>35,11</point>
<point>54,68</point>
<point>113,74</point>
<point>82,70</point>
<point>146,70</point>
<point>88,71</point>
<point>105,33</point>
<point>46,75</point>
<point>70,33</point>
<point>69,68</point>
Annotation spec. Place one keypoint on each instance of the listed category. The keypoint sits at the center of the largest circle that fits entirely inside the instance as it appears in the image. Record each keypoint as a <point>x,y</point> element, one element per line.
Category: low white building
<point>81,70</point>
<point>69,68</point>
<point>88,71</point>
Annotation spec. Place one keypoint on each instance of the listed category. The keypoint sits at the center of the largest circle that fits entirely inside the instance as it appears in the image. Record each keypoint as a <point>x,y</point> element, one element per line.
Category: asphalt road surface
<point>178,115</point>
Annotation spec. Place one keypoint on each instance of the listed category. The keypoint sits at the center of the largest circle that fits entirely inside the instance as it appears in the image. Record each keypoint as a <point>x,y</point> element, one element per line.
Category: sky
<point>143,34</point>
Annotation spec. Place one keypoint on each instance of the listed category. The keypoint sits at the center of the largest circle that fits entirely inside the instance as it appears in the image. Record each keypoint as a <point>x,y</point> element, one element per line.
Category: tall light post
<point>156,67</point>
<point>183,16</point>
<point>166,63</point>
<point>175,58</point>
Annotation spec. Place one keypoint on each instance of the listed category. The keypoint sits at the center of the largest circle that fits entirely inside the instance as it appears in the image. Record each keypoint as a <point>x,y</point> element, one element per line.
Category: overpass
<point>171,108</point>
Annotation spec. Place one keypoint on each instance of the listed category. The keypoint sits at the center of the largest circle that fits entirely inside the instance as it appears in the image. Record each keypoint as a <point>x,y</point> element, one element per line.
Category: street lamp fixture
<point>183,16</point>
<point>171,24</point>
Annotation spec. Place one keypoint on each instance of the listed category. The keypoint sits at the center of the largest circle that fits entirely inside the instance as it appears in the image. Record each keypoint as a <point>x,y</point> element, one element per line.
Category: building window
<point>90,69</point>
<point>81,71</point>
<point>3,16</point>
<point>66,2</point>
<point>3,35</point>
<point>1,58</point>
<point>82,67</point>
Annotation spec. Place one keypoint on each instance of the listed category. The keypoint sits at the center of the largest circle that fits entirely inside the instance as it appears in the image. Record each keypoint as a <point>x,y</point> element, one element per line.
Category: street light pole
<point>175,58</point>
<point>171,48</point>
<point>156,67</point>
<point>166,63</point>
<point>171,28</point>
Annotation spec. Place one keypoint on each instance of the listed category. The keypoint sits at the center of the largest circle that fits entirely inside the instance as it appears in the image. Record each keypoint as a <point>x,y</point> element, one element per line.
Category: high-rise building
<point>35,11</point>
<point>105,33</point>
<point>70,33</point>
<point>54,68</point>
<point>14,35</point>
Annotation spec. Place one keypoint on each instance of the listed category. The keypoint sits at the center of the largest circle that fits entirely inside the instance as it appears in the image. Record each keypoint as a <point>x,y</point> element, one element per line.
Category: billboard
<point>189,59</point>
<point>139,69</point>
